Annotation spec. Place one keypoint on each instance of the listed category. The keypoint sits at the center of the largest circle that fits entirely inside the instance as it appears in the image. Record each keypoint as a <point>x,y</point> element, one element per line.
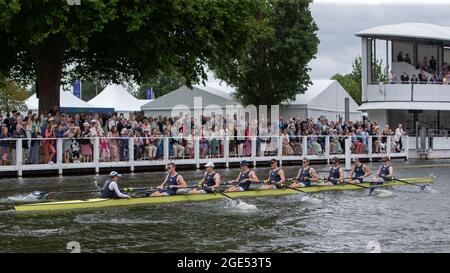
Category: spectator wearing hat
<point>111,188</point>
<point>210,182</point>
<point>244,179</point>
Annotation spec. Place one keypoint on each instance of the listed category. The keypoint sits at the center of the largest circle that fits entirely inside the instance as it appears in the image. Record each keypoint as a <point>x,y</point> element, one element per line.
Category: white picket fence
<point>19,159</point>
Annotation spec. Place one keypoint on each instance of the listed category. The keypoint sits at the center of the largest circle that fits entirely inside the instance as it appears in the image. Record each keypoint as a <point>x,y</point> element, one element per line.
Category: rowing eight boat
<point>100,202</point>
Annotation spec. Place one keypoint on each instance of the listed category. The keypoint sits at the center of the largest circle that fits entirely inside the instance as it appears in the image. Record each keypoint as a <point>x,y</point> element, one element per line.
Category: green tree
<point>12,97</point>
<point>91,88</point>
<point>51,42</point>
<point>162,84</point>
<point>352,81</point>
<point>275,67</point>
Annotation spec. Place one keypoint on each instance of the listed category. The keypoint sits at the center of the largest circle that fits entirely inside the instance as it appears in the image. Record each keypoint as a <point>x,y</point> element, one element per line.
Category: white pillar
<point>131,153</point>
<point>19,156</point>
<point>96,155</point>
<point>388,148</point>
<point>226,151</point>
<point>305,146</point>
<point>327,148</point>
<point>59,155</point>
<point>406,145</point>
<point>166,149</point>
<point>280,148</point>
<point>364,62</point>
<point>348,153</point>
<point>253,143</point>
<point>370,143</point>
<point>197,151</point>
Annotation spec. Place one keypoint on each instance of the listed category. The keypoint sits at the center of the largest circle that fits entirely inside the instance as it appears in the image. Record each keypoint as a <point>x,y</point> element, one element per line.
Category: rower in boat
<point>210,182</point>
<point>172,183</point>
<point>336,174</point>
<point>111,189</point>
<point>276,179</point>
<point>245,178</point>
<point>358,172</point>
<point>385,172</point>
<point>305,176</point>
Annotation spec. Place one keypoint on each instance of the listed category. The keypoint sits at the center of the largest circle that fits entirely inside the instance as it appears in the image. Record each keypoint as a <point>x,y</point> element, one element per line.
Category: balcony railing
<point>59,154</point>
<point>408,92</point>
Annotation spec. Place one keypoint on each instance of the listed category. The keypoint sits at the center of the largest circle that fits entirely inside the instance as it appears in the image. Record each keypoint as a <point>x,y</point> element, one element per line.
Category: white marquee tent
<point>68,102</point>
<point>116,96</point>
<point>214,96</point>
<point>323,98</point>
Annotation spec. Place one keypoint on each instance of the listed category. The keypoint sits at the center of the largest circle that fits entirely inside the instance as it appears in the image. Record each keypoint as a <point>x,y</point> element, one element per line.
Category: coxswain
<point>245,178</point>
<point>210,182</point>
<point>172,183</point>
<point>276,179</point>
<point>336,174</point>
<point>111,189</point>
<point>305,176</point>
<point>358,172</point>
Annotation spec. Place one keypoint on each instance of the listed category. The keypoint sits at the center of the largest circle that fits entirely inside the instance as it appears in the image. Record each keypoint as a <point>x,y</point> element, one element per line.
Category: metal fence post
<point>327,148</point>
<point>370,144</point>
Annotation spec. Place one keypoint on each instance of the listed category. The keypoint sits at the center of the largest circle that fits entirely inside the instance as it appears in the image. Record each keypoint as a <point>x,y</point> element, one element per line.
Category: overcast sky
<point>339,20</point>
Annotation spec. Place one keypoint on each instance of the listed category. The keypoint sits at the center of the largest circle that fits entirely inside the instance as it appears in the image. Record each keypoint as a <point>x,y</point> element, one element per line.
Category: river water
<point>402,219</point>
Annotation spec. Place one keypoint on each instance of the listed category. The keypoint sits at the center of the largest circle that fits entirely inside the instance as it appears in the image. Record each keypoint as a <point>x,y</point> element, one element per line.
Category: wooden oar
<point>422,187</point>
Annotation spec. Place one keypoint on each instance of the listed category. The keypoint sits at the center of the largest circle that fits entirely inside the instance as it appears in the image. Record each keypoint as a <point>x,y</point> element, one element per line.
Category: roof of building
<point>419,31</point>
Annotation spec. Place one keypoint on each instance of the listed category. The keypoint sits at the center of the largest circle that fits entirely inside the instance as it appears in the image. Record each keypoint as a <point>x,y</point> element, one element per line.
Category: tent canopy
<point>185,96</point>
<point>116,96</point>
<point>69,104</point>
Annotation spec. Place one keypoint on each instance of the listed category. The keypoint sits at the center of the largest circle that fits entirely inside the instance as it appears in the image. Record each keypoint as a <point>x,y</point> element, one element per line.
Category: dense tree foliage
<point>275,66</point>
<point>12,97</point>
<point>49,42</point>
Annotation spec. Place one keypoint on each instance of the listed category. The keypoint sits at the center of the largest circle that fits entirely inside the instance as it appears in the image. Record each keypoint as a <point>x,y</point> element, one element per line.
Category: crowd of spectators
<point>79,132</point>
<point>427,72</point>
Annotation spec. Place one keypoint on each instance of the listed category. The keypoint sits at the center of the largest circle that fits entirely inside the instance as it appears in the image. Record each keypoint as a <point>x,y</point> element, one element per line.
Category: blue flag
<point>150,94</point>
<point>77,88</point>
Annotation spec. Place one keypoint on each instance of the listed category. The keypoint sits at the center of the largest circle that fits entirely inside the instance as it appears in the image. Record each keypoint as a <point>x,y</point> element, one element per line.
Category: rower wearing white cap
<point>210,181</point>
<point>111,188</point>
